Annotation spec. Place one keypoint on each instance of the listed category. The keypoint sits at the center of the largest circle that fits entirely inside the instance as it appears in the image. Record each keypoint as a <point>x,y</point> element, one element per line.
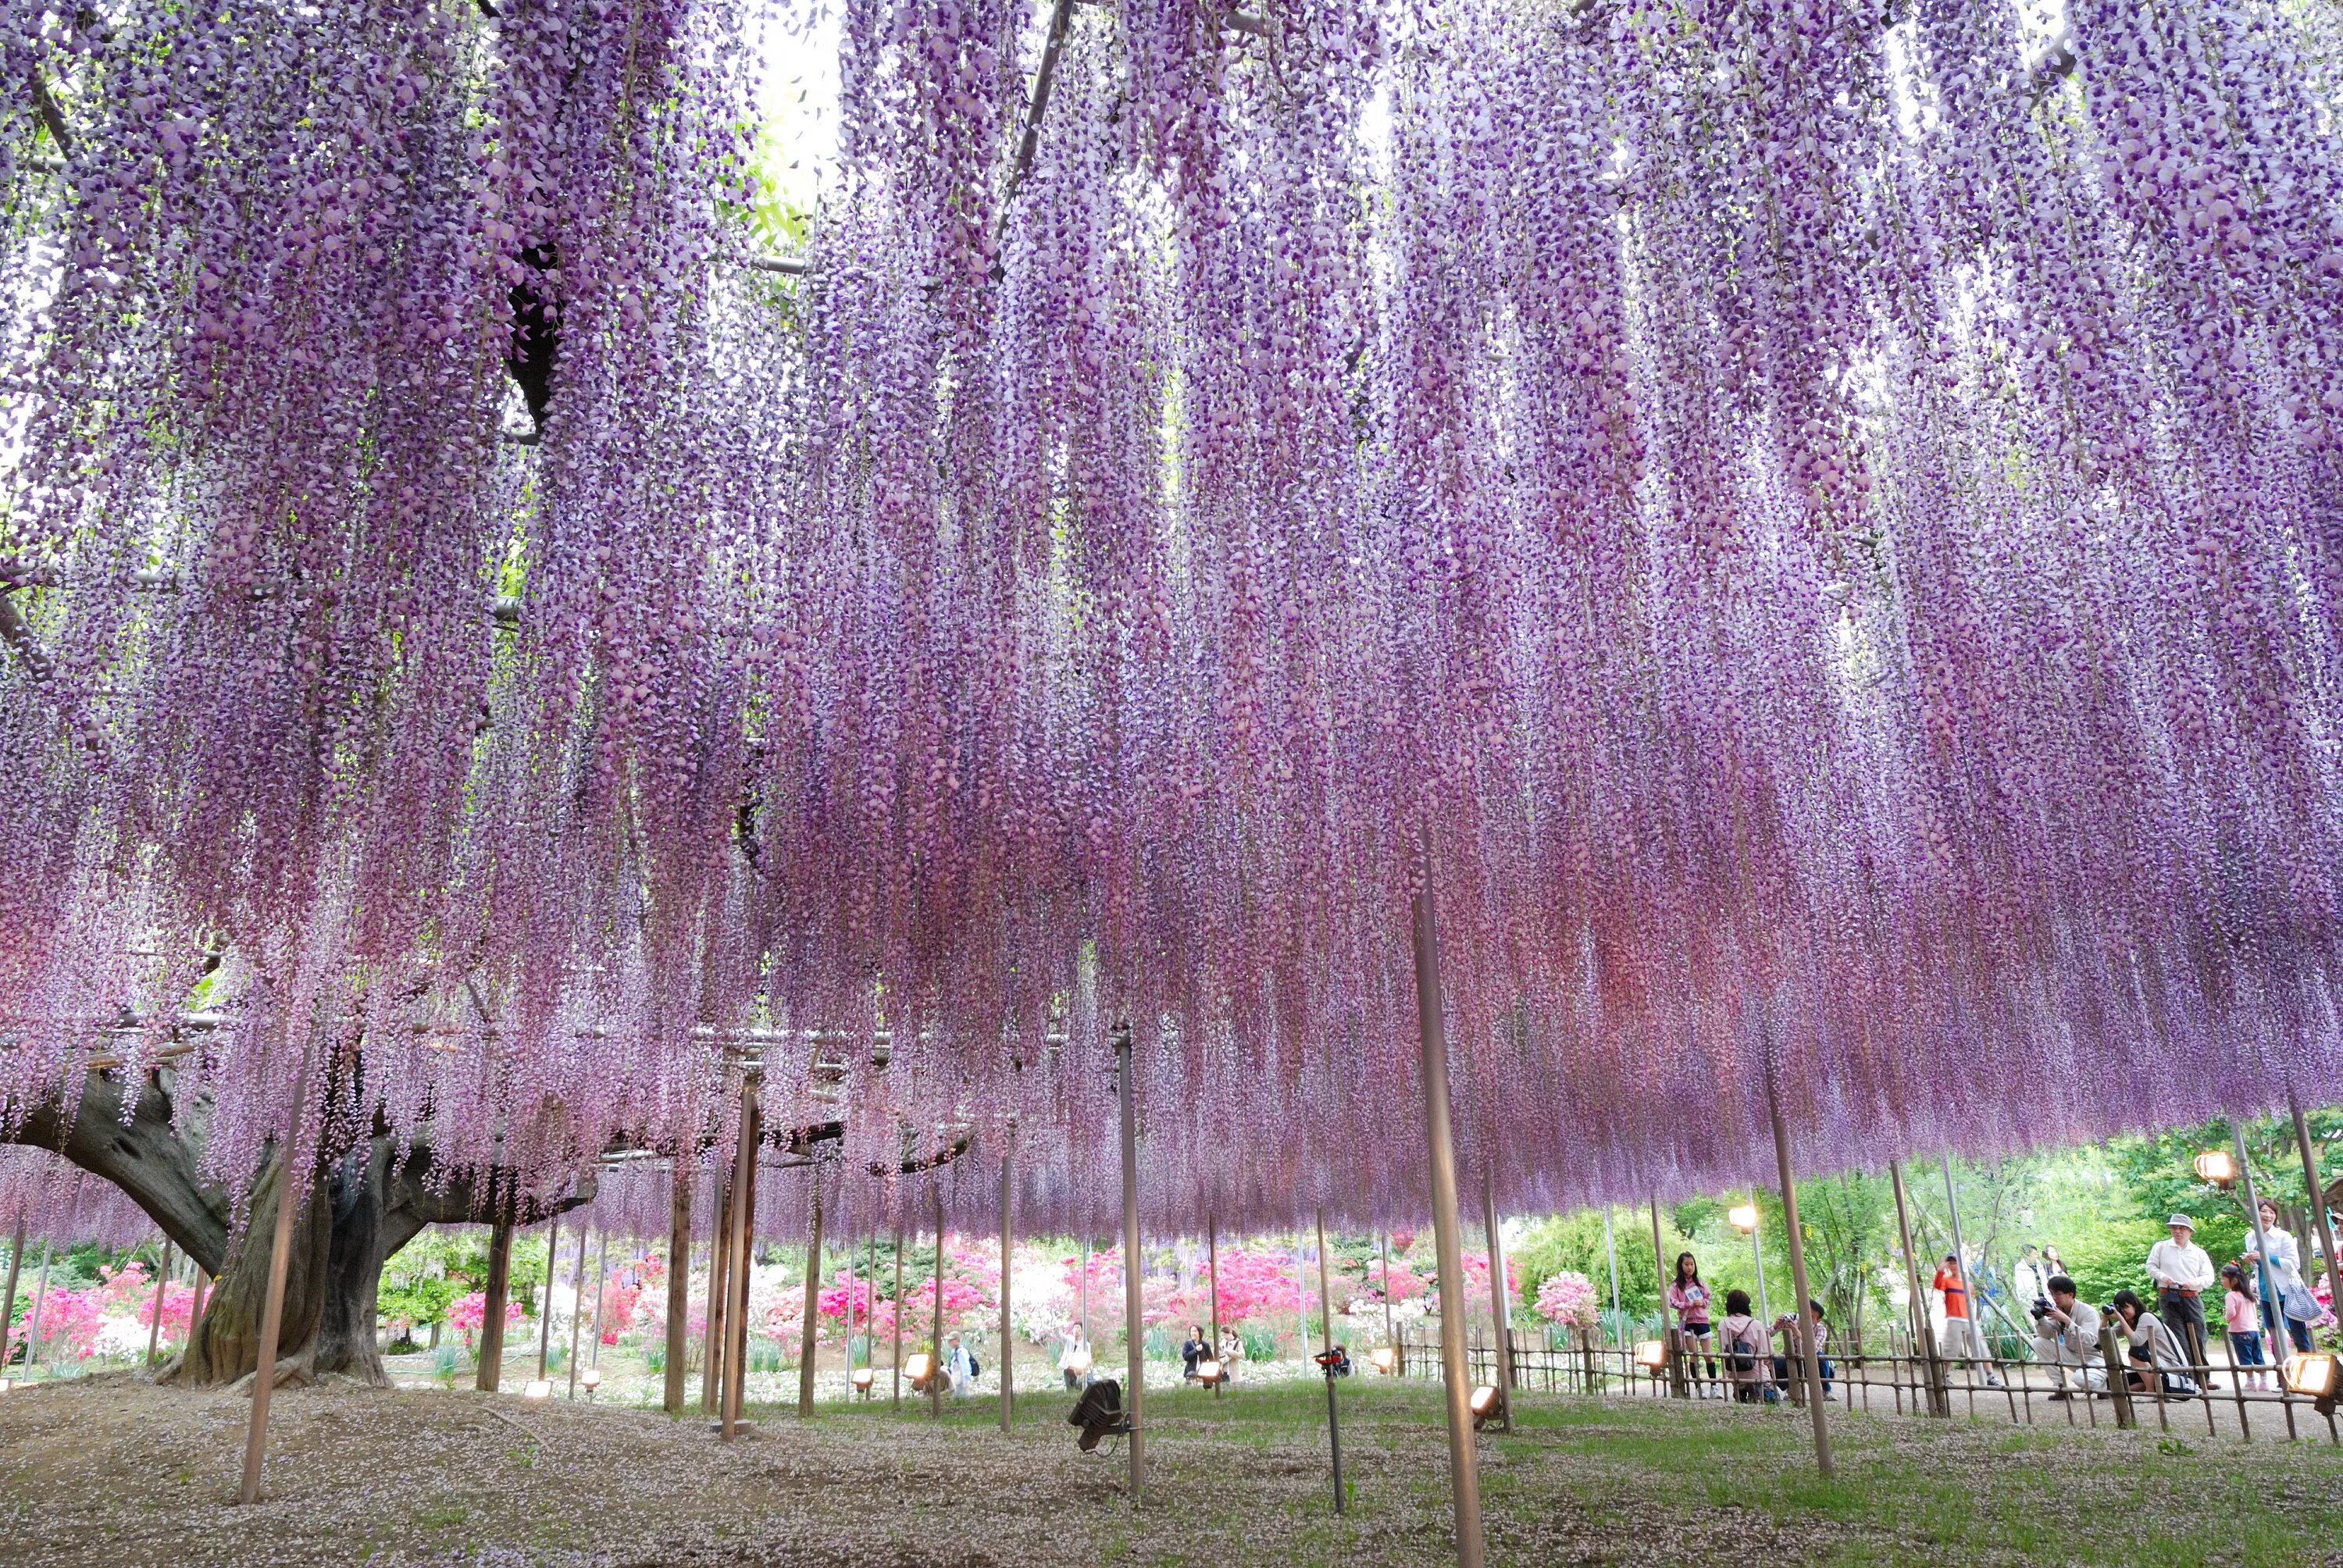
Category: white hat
<point>2183,1221</point>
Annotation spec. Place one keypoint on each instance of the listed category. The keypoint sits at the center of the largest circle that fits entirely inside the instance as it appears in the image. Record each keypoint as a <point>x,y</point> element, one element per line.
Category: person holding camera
<point>2067,1337</point>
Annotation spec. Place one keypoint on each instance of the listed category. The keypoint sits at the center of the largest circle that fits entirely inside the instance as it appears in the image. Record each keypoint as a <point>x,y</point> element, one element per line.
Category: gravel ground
<point>114,1470</point>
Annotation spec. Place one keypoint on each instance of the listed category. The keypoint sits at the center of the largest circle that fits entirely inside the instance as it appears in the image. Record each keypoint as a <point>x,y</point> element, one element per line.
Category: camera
<point>2040,1309</point>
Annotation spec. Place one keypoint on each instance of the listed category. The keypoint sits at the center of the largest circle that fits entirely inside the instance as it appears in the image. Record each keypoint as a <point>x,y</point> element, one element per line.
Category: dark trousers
<point>2185,1316</point>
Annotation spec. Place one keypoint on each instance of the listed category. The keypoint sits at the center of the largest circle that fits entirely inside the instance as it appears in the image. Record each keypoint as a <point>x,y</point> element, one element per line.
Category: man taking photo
<point>2067,1336</point>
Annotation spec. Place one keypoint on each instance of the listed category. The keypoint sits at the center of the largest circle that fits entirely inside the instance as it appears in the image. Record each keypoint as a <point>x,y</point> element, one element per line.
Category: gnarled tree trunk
<point>361,1210</point>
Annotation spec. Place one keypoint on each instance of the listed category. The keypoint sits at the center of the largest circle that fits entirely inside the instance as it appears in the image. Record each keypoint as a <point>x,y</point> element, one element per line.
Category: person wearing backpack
<point>1743,1341</point>
<point>963,1368</point>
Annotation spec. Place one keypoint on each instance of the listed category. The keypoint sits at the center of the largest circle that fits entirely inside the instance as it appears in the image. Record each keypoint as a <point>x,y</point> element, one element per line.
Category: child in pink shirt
<point>2244,1328</point>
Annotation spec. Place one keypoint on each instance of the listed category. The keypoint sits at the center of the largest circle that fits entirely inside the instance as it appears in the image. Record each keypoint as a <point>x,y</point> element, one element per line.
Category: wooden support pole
<point>898,1312</point>
<point>601,1278</point>
<point>195,1307</point>
<point>2317,1201</point>
<point>1679,1386</point>
<point>810,1317</point>
<point>491,1369</point>
<point>2281,1350</point>
<point>576,1305</point>
<point>1499,1300</point>
<point>720,1256</point>
<point>1610,1251</point>
<point>1333,1406</point>
<point>1924,1333</point>
<point>1465,1481</point>
<point>292,1182</point>
<point>936,1324</point>
<point>1008,1270</point>
<point>8,1297</point>
<point>162,1281</point>
<point>40,1296</point>
<point>544,1313</point>
<point>1134,1335</point>
<point>744,1233</point>
<point>1382,1253</point>
<point>678,1280</point>
<point>1816,1406</point>
<point>1213,1265</point>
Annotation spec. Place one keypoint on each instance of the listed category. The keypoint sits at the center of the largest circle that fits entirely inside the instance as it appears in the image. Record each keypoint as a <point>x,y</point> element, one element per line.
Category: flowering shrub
<point>1568,1297</point>
<point>71,1321</point>
<point>468,1315</point>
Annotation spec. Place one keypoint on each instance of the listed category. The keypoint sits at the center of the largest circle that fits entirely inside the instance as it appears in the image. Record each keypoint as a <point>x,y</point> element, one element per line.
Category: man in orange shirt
<point>1962,1342</point>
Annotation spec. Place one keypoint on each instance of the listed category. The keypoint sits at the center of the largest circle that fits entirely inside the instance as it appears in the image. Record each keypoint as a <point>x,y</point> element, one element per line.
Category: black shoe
<point>2061,1393</point>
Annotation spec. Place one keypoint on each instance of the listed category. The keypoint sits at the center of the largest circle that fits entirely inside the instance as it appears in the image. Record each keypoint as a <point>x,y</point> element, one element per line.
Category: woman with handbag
<point>2294,1307</point>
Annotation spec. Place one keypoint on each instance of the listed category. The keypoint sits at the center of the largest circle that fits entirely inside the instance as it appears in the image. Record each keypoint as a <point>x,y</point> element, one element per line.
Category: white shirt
<point>2080,1333</point>
<point>2285,1255</point>
<point>2184,1267</point>
<point>2030,1280</point>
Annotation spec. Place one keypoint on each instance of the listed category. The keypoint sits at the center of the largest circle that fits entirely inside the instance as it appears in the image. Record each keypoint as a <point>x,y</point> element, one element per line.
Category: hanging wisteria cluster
<point>1815,527</point>
<point>52,1205</point>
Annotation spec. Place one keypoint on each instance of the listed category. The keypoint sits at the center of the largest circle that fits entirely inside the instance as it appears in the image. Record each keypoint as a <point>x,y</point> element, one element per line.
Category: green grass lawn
<point>112,1472</point>
<point>1695,1476</point>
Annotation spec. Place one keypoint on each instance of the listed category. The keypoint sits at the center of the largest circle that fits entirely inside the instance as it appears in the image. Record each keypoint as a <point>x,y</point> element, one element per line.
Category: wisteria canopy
<point>1817,526</point>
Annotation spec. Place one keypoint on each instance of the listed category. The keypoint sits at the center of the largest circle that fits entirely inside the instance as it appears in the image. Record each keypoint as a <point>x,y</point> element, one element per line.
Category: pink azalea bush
<point>1568,1299</point>
<point>467,1314</point>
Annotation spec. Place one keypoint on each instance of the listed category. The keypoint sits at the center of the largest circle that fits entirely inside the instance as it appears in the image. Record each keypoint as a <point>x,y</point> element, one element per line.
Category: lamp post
<point>1439,1148</point>
<point>1744,1219</point>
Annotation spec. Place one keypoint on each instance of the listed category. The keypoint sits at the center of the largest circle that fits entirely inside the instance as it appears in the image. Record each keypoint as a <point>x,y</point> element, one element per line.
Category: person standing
<point>2182,1273</point>
<point>2243,1329</point>
<point>2029,1281</point>
<point>963,1369</point>
<point>2293,1309</point>
<point>1688,1298</point>
<point>1961,1340</point>
<point>1192,1350</point>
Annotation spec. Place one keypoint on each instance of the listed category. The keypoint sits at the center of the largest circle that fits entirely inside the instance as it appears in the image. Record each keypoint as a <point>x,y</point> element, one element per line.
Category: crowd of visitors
<point>2266,1312</point>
